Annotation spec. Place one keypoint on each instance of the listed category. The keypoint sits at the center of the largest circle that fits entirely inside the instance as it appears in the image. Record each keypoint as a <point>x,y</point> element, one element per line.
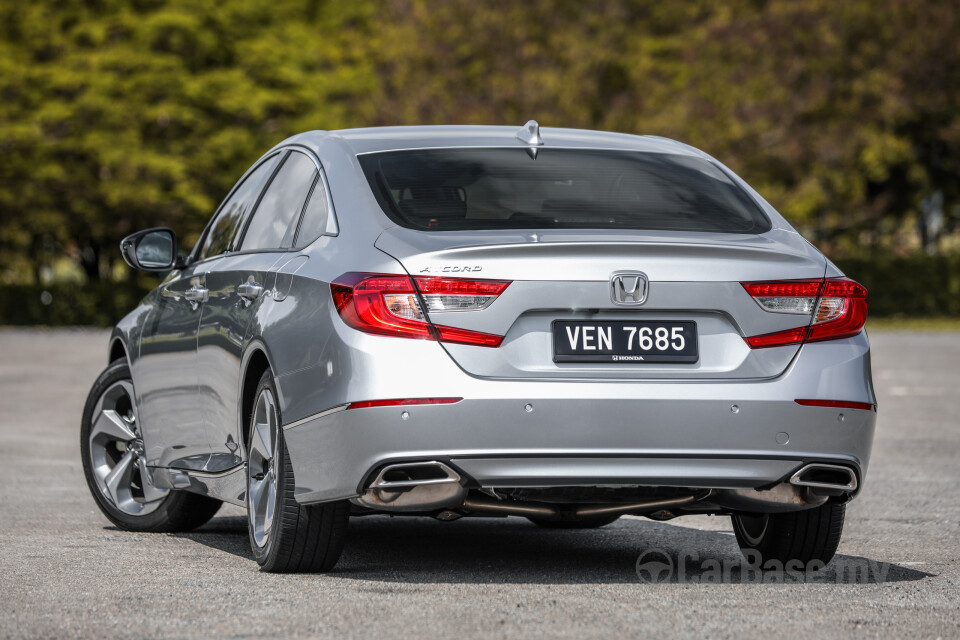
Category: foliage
<point>116,116</point>
<point>96,303</point>
<point>910,287</point>
<point>122,114</point>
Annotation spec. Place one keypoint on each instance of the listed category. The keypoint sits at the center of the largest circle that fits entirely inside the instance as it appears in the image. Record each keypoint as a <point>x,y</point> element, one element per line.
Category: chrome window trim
<point>289,151</point>
<point>333,227</point>
<point>195,252</point>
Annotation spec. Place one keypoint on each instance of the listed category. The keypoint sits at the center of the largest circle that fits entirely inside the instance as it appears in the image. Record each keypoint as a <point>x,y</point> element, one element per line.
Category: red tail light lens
<point>838,307</point>
<point>842,311</point>
<point>389,305</point>
<point>361,300</point>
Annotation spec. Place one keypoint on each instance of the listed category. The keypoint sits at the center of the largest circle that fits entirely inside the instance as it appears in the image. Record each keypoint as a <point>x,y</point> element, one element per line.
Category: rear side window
<point>315,217</point>
<point>275,219</point>
<point>223,230</point>
<point>515,188</point>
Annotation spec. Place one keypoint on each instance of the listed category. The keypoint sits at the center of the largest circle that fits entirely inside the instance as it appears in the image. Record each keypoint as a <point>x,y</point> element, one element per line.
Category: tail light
<point>838,307</point>
<point>389,305</point>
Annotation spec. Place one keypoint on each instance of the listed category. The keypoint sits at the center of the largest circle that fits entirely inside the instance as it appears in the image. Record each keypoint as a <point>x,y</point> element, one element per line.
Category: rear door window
<point>233,213</point>
<point>275,220</point>
<point>519,188</point>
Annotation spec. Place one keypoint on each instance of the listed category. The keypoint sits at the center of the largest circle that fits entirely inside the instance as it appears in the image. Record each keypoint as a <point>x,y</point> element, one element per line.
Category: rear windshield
<point>519,188</point>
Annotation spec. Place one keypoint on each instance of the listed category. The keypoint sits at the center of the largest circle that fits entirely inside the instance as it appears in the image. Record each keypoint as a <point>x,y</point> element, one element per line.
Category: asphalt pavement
<point>66,572</point>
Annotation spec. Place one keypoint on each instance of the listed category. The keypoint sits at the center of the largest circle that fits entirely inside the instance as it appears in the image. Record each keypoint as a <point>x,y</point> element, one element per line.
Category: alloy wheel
<point>261,468</point>
<point>117,456</point>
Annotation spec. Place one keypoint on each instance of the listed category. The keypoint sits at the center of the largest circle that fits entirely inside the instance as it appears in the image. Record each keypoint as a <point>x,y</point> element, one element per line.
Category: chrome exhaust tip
<point>413,486</point>
<point>414,474</point>
<point>825,476</point>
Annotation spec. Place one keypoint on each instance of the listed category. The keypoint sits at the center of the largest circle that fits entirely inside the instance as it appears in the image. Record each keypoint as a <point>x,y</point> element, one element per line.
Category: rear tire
<point>804,536</point>
<point>285,536</point>
<point>111,448</point>
<point>584,523</point>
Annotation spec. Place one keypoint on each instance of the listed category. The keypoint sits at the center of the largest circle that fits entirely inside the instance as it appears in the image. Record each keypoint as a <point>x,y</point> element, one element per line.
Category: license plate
<point>625,341</point>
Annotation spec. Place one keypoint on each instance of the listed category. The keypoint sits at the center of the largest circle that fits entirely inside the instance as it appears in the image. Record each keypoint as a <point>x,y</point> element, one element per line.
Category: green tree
<point>117,115</point>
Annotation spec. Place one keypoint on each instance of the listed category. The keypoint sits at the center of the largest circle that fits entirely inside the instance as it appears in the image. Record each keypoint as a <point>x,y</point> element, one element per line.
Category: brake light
<point>389,305</point>
<point>838,309</point>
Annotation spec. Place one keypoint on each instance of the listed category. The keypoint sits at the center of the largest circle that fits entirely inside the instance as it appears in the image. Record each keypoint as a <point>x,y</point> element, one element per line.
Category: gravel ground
<point>66,572</point>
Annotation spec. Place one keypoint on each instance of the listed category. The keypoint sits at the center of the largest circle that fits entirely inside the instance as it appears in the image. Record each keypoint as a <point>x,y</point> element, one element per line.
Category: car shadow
<point>511,550</point>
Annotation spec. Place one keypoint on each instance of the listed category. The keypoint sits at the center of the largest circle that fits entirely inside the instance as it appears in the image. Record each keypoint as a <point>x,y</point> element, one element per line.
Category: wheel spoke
<point>262,496</point>
<point>271,425</point>
<point>262,506</point>
<point>118,480</point>
<point>271,501</point>
<point>262,441</point>
<point>127,386</point>
<point>150,492</point>
<point>256,495</point>
<point>99,406</point>
<point>110,424</point>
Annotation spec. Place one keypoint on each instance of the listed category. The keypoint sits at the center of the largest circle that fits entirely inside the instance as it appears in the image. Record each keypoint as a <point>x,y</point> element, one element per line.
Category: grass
<point>913,324</point>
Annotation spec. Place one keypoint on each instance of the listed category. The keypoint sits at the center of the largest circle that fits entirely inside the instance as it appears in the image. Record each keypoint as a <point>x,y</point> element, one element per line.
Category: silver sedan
<point>562,325</point>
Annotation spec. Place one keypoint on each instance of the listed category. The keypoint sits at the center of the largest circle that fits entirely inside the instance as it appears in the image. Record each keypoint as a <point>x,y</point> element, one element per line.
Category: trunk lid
<point>565,275</point>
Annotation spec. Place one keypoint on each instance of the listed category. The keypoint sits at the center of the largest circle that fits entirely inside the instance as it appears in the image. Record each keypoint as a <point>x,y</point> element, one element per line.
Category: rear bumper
<point>553,433</point>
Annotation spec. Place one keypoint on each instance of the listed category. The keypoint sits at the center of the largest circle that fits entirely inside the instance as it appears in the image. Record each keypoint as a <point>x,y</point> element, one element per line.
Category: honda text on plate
<point>455,322</point>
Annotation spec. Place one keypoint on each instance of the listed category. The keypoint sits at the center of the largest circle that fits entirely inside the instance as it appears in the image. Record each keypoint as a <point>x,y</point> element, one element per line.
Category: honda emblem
<point>628,288</point>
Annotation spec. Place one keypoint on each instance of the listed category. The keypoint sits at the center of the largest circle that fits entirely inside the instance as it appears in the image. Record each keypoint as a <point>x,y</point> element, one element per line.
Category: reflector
<point>838,404</point>
<point>401,402</point>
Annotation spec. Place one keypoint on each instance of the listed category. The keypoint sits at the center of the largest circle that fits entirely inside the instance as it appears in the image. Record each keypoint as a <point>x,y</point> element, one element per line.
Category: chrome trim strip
<point>507,146</point>
<point>332,226</point>
<point>322,414</point>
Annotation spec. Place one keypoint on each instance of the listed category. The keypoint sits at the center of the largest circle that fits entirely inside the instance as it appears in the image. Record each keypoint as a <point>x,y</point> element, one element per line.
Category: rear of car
<point>586,330</point>
<point>476,321</point>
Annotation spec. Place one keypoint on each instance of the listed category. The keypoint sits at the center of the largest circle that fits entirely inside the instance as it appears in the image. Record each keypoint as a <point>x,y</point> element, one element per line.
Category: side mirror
<point>151,249</point>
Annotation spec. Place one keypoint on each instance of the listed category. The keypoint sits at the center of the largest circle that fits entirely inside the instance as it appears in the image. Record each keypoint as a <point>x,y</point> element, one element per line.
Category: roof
<point>375,139</point>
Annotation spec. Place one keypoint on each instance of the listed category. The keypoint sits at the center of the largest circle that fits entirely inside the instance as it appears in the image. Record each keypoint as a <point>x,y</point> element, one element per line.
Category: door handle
<point>249,290</point>
<point>197,294</point>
